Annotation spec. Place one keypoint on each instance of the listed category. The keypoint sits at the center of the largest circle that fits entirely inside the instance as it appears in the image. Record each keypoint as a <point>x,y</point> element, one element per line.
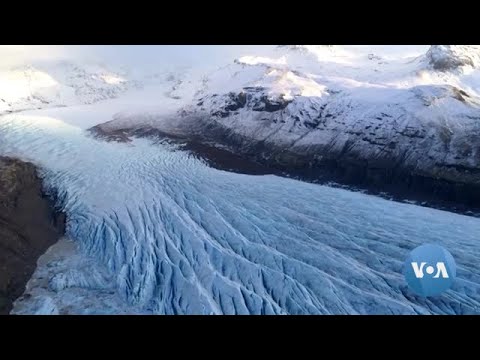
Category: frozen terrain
<point>367,116</point>
<point>85,286</point>
<point>153,229</point>
<point>178,237</point>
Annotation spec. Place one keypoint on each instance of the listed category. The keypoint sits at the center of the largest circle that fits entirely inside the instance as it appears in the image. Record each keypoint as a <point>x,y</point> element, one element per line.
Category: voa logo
<point>429,270</point>
<point>441,270</point>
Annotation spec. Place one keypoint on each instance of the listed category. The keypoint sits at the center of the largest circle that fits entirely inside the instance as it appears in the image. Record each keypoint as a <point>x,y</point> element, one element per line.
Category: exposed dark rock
<point>451,57</point>
<point>29,225</point>
<point>264,103</point>
<point>237,101</point>
<point>253,98</point>
<point>254,88</point>
<point>100,132</point>
<point>459,94</point>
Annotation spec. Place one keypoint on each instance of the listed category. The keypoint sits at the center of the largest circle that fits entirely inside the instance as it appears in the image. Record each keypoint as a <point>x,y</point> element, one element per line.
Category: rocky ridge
<point>29,225</point>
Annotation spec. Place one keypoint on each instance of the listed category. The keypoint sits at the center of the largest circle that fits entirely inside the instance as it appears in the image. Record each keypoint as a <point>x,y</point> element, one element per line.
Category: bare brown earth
<point>28,227</point>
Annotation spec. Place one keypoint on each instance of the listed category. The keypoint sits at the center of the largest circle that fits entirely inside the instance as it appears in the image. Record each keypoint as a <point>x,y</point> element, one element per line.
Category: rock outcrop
<point>452,57</point>
<point>28,226</point>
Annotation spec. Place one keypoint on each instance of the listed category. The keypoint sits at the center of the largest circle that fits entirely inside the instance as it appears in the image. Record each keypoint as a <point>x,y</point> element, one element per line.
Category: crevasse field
<point>158,231</point>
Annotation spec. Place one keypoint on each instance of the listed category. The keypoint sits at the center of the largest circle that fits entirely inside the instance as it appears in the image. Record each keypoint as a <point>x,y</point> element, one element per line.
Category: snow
<point>305,71</point>
<point>353,82</point>
<point>155,230</point>
<point>131,102</point>
<point>256,60</point>
<point>179,237</point>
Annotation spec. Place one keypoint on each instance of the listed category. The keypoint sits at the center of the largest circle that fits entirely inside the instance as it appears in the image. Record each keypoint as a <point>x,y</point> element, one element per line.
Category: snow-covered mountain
<point>365,117</point>
<point>156,230</point>
<point>58,84</point>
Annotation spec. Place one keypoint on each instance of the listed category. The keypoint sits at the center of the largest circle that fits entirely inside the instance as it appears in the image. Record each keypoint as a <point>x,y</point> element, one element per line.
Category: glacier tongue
<point>178,237</point>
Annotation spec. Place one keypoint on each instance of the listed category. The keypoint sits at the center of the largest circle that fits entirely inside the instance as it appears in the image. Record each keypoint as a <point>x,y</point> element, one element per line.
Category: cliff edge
<point>29,225</point>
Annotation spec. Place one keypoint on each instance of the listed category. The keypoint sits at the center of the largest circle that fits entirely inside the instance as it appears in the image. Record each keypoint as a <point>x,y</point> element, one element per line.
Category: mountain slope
<point>386,123</point>
<point>58,84</point>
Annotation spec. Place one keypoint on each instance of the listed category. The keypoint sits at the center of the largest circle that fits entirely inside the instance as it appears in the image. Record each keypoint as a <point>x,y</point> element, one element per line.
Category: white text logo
<point>441,270</point>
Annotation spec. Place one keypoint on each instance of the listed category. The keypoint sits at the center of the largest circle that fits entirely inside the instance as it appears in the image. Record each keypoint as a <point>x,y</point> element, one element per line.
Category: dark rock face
<point>451,57</point>
<point>251,98</point>
<point>28,226</point>
<point>237,101</point>
<point>269,105</point>
<point>99,132</point>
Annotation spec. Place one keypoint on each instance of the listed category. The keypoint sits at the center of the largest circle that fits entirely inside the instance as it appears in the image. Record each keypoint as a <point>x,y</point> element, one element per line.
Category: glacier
<point>168,234</point>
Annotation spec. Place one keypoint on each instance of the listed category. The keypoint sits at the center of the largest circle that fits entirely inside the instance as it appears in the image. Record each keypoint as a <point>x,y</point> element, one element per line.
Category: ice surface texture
<point>68,282</point>
<point>179,237</point>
